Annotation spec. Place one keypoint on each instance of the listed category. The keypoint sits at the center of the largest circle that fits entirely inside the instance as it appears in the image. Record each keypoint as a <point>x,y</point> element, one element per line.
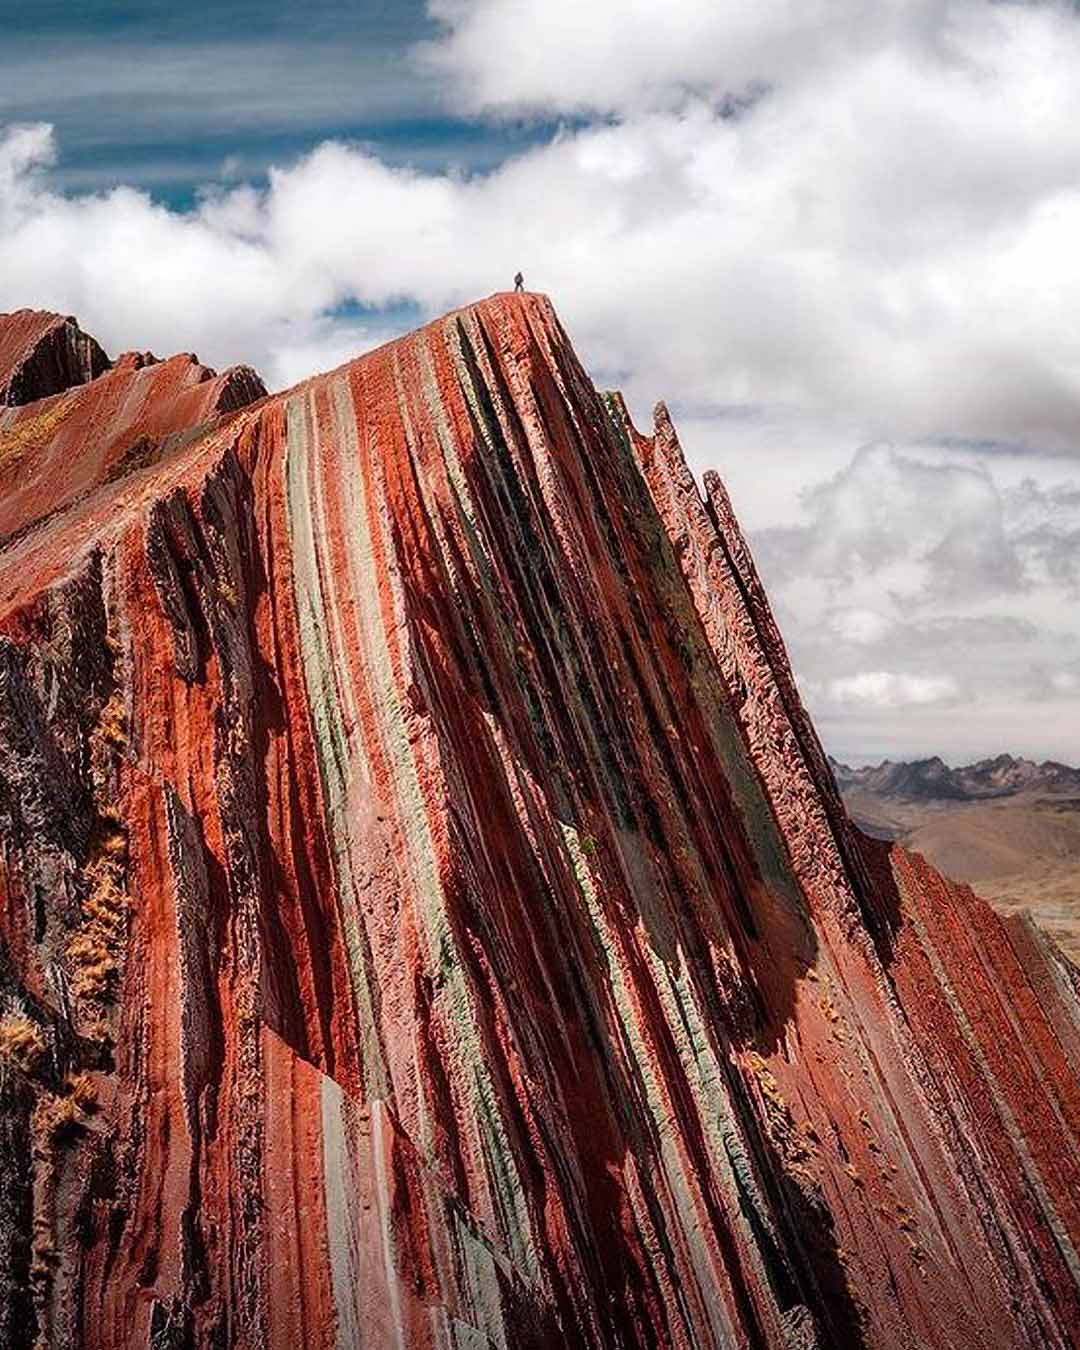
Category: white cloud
<point>887,234</point>
<point>809,226</point>
<point>859,627</point>
<point>620,55</point>
<point>920,530</point>
<point>914,585</point>
<point>892,689</point>
<point>321,345</point>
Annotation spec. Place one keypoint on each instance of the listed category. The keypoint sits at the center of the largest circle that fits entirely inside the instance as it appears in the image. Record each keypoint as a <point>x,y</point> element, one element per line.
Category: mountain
<point>933,780</point>
<point>42,354</point>
<point>428,917</point>
<point>1009,827</point>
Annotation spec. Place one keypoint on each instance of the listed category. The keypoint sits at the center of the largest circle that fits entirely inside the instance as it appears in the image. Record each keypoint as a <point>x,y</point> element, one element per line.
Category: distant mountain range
<point>926,780</point>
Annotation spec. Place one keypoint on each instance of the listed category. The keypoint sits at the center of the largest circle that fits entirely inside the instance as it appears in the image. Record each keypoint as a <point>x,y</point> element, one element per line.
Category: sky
<point>839,239</point>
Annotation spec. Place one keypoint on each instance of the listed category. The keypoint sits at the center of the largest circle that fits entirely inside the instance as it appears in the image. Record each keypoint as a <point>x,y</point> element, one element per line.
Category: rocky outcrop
<point>428,918</point>
<point>43,354</point>
<point>55,450</point>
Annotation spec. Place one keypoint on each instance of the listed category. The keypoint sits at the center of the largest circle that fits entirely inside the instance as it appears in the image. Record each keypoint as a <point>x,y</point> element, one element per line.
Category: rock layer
<point>428,916</point>
<point>54,450</point>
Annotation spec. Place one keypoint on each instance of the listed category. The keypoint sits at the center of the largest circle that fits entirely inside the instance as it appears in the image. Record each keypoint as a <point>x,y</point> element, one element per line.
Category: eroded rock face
<point>428,918</point>
<point>128,417</point>
<point>43,354</point>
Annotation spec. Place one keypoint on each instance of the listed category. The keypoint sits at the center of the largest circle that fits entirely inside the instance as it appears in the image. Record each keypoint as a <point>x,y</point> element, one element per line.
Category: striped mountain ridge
<point>43,354</point>
<point>427,916</point>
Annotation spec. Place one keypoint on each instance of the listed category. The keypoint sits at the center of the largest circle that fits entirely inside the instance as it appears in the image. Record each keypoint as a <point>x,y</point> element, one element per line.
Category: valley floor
<point>1019,852</point>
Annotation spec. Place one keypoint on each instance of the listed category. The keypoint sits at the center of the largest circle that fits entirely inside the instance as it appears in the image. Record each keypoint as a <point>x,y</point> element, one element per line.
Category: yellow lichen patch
<point>91,965</point>
<point>828,1007</point>
<point>95,949</point>
<point>111,726</point>
<point>796,1147</point>
<point>22,1042</point>
<point>82,1090</point>
<point>55,1119</point>
<point>31,433</point>
<point>227,591</point>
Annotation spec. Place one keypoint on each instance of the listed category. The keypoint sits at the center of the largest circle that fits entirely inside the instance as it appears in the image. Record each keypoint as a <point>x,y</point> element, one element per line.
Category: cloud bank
<point>809,227</point>
<point>925,603</point>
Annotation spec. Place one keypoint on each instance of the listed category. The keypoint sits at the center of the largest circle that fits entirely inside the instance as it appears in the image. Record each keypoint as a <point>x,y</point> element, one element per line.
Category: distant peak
<point>932,779</point>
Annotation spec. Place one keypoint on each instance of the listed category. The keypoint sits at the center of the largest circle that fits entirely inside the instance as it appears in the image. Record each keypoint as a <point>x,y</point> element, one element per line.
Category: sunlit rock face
<point>427,918</point>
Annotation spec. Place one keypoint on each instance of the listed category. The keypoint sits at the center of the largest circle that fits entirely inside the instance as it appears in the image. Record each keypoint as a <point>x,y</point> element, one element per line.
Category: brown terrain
<point>1008,827</point>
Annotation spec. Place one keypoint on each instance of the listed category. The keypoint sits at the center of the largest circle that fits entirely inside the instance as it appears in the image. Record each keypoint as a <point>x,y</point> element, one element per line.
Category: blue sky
<point>837,238</point>
<point>169,96</point>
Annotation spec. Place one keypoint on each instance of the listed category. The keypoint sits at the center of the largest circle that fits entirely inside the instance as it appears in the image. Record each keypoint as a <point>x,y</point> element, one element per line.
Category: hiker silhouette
<point>519,282</point>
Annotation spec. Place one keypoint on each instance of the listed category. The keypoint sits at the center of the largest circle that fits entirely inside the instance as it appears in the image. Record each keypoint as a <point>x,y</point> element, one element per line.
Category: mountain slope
<point>429,919</point>
<point>1008,826</point>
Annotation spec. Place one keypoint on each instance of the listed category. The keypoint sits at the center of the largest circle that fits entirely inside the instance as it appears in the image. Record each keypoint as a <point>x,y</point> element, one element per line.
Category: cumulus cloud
<point>616,56</point>
<point>921,530</point>
<point>886,226</point>
<point>791,221</point>
<point>913,586</point>
<point>861,205</point>
<point>892,689</point>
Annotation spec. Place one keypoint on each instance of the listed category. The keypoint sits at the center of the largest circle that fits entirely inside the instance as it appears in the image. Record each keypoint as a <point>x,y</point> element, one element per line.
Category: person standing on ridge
<point>519,282</point>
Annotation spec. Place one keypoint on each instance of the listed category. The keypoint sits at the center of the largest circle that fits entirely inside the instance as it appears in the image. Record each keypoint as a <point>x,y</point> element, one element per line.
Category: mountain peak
<point>42,353</point>
<point>428,917</point>
<point>932,779</point>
